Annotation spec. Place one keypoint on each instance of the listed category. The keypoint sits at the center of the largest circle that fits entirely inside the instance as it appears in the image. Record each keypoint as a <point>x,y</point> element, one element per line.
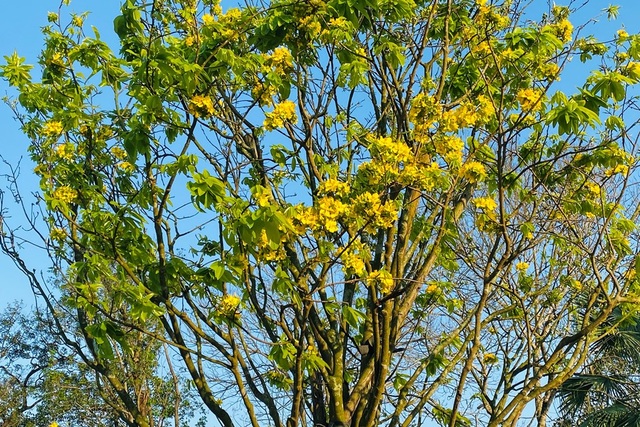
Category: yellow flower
<point>486,110</point>
<point>57,234</point>
<point>126,167</point>
<point>53,424</point>
<point>285,112</point>
<point>228,305</point>
<point>423,111</point>
<point>329,210</point>
<point>305,218</point>
<point>432,288</point>
<point>65,194</point>
<point>382,279</point>
<point>263,93</point>
<point>618,169</point>
<point>353,263</point>
<point>333,186</point>
<point>522,266</point>
<point>450,147</point>
<point>593,188</point>
<point>118,153</point>
<point>262,196</point>
<point>201,106</point>
<point>622,35</point>
<point>388,150</point>
<point>490,359</point>
<point>208,19</point>
<point>564,30</point>
<point>77,20</point>
<point>487,204</point>
<point>550,71</point>
<point>233,14</point>
<point>473,171</point>
<point>65,151</point>
<point>529,99</point>
<point>281,60</point>
<point>633,70</point>
<point>52,128</point>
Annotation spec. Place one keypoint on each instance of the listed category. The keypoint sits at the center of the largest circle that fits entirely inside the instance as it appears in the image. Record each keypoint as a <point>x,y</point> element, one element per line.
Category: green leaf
<point>352,316</point>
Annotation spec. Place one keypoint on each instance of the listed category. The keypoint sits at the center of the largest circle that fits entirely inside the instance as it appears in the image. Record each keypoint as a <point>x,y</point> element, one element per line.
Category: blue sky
<point>20,24</point>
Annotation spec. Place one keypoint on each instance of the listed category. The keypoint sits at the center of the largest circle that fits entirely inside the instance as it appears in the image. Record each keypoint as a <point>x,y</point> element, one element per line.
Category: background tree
<point>42,380</point>
<point>605,391</point>
<point>340,213</point>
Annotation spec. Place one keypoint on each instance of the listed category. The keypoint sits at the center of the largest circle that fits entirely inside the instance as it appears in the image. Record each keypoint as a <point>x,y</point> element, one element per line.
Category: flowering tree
<point>342,213</point>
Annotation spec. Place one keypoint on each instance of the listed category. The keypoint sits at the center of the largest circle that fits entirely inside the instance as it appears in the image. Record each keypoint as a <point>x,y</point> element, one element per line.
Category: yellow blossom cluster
<point>485,110</point>
<point>229,25</point>
<point>480,49</point>
<point>233,14</point>
<point>334,187</point>
<point>263,93</point>
<point>529,99</point>
<point>228,305</point>
<point>52,128</point>
<point>365,210</point>
<point>617,169</point>
<point>381,279</point>
<point>269,251</point>
<point>201,106</point>
<point>65,194</point>
<point>486,204</point>
<point>423,113</point>
<point>328,211</point>
<point>281,60</point>
<point>419,171</point>
<point>473,171</point>
<point>433,288</point>
<point>390,150</point>
<point>632,69</point>
<point>422,175</point>
<point>339,25</point>
<point>57,234</point>
<point>262,196</point>
<point>118,153</point>
<point>126,167</point>
<point>489,15</point>
<point>208,19</point>
<point>380,215</point>
<point>550,71</point>
<point>622,35</point>
<point>65,151</point>
<point>465,115</point>
<point>285,112</point>
<point>522,266</point>
<point>353,262</point>
<point>593,188</point>
<point>490,359</point>
<point>55,60</point>
<point>77,20</point>
<point>450,147</point>
<point>563,30</point>
<point>311,25</point>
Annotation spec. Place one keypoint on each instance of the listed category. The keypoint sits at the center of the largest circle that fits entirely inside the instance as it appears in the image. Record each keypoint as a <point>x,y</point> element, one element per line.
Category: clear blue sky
<point>20,23</point>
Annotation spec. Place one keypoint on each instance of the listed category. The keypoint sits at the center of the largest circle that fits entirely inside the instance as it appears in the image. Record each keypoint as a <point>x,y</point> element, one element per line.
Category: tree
<point>340,213</point>
<point>42,380</point>
<point>605,392</point>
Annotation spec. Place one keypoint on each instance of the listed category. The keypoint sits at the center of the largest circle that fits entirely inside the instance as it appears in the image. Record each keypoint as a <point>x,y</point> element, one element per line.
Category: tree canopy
<point>336,213</point>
